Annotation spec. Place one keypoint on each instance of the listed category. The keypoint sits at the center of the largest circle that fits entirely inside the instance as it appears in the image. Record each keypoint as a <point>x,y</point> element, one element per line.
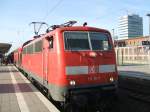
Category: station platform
<point>135,71</point>
<point>17,94</point>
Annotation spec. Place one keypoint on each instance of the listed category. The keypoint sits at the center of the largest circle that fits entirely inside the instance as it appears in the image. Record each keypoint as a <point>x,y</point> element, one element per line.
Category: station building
<point>138,41</point>
<point>4,47</point>
<point>133,50</point>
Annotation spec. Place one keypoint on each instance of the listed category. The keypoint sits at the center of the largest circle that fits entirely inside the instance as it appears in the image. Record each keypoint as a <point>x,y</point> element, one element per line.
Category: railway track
<point>135,88</point>
<point>136,95</point>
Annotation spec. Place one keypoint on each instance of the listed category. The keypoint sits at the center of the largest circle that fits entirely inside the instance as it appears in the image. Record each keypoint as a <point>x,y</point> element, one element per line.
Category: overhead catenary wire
<point>45,17</point>
<point>52,9</point>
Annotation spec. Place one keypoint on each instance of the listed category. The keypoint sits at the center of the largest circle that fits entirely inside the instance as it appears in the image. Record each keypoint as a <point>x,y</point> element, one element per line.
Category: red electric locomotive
<point>75,64</point>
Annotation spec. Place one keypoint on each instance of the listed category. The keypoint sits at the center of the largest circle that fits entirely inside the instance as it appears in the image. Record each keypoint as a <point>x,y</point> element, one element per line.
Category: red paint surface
<point>55,60</point>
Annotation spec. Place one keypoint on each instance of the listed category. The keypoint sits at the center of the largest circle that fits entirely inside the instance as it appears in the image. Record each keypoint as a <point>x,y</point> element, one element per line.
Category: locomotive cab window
<point>86,41</point>
<point>99,41</point>
<point>51,42</point>
<point>76,41</point>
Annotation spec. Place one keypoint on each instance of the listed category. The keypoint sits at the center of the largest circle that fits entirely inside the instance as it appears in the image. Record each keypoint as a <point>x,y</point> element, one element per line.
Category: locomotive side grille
<point>75,70</point>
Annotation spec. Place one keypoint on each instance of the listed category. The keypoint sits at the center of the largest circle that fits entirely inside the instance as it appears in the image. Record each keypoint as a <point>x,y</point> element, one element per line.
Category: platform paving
<point>17,94</point>
<point>135,71</point>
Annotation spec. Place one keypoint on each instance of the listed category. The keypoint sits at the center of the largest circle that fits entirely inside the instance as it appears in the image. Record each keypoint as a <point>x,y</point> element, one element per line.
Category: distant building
<point>137,41</point>
<point>4,47</point>
<point>130,26</point>
<point>133,50</point>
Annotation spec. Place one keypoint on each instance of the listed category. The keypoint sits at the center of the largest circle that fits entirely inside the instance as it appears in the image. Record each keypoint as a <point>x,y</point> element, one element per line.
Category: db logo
<point>93,69</point>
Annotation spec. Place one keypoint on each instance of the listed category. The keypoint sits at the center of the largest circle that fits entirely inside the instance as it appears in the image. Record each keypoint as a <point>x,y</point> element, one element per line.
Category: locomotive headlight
<point>72,82</point>
<point>111,79</point>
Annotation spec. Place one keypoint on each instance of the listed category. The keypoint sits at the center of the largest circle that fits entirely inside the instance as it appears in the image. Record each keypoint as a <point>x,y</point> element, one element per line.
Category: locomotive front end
<point>90,64</point>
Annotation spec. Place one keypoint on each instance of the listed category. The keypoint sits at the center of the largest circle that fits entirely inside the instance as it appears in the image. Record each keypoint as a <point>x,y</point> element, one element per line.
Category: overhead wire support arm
<point>67,24</point>
<point>36,30</point>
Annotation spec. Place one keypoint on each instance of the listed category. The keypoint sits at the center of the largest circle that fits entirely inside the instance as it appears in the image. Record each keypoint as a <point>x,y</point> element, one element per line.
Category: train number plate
<point>93,69</point>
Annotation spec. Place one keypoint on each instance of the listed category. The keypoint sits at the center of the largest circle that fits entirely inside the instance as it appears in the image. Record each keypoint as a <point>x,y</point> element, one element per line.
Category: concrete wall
<point>133,55</point>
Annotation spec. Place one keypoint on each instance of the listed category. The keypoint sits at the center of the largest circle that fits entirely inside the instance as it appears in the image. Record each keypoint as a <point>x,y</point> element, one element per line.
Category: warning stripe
<point>75,70</point>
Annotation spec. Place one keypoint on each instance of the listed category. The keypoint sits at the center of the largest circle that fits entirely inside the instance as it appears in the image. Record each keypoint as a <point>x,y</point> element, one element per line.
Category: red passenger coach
<point>17,56</point>
<point>73,63</point>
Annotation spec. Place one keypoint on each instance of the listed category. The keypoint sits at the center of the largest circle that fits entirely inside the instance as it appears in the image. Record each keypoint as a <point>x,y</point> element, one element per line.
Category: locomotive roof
<point>81,28</point>
<point>72,28</point>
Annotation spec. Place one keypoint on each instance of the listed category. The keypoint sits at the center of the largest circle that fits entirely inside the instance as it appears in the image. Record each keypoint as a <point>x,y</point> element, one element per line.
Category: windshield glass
<point>86,41</point>
<point>99,41</point>
<point>76,41</point>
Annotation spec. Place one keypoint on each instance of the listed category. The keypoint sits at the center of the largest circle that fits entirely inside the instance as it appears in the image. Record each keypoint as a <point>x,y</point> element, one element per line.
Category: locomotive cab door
<point>48,44</point>
<point>45,62</point>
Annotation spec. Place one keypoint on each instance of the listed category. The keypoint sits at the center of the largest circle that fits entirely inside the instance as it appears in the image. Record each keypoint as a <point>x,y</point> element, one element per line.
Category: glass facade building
<point>130,26</point>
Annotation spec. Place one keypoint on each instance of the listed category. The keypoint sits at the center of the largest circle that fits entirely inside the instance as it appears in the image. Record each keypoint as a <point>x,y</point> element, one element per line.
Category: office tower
<point>130,26</point>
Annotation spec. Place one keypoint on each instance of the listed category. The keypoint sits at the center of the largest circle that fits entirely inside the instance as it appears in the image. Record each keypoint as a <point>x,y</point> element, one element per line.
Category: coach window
<point>28,49</point>
<point>31,49</point>
<point>24,50</point>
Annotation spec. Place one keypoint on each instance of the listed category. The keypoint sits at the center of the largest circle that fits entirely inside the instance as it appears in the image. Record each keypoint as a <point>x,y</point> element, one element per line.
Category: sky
<point>16,15</point>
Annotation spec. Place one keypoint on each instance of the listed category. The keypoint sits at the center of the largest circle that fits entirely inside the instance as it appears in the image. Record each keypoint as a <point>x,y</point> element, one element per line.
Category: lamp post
<point>149,38</point>
<point>113,32</point>
<point>113,35</point>
<point>149,24</point>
